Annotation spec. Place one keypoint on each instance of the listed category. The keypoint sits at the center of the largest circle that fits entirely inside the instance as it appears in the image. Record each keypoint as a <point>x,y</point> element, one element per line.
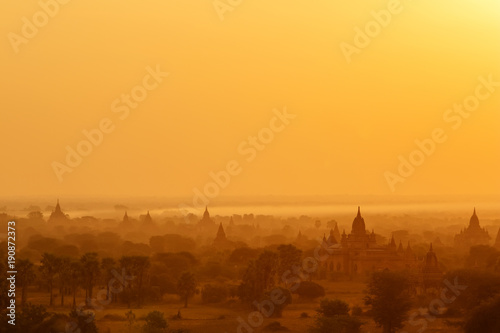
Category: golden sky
<point>352,118</point>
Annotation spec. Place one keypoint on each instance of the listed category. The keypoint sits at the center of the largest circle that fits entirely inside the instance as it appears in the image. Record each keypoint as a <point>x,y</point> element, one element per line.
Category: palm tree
<point>186,287</point>
<point>107,267</point>
<point>75,278</point>
<point>136,266</point>
<point>25,275</point>
<point>90,269</point>
<point>49,270</point>
<point>64,269</point>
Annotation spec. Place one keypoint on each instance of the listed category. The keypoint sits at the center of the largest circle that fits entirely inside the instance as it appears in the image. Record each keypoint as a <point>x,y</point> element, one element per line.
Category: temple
<point>473,234</point>
<point>497,242</point>
<point>206,221</point>
<point>358,252</point>
<point>220,241</point>
<point>57,215</point>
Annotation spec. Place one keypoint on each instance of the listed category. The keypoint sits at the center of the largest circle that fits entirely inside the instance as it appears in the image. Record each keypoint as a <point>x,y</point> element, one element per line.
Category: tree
<point>333,317</point>
<point>107,266</point>
<point>484,318</point>
<point>186,287</point>
<point>259,277</point>
<point>75,279</point>
<point>90,270</point>
<point>30,317</point>
<point>155,322</point>
<point>25,276</point>
<point>289,257</point>
<point>136,266</point>
<point>389,298</point>
<point>48,269</point>
<point>64,269</point>
<point>83,321</point>
<point>35,216</point>
<point>478,287</point>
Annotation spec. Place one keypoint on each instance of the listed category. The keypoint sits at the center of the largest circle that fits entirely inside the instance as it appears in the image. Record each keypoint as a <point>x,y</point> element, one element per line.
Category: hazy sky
<point>225,78</point>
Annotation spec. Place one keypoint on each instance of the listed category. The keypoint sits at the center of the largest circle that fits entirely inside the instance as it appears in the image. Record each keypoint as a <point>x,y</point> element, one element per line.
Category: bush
<point>214,293</point>
<point>309,289</point>
<point>333,317</point>
<point>333,307</point>
<point>155,322</point>
<point>281,294</point>
<point>337,324</point>
<point>275,326</point>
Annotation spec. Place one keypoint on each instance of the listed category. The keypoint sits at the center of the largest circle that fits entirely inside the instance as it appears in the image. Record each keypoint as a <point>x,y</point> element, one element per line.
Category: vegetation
<point>389,299</point>
<point>333,317</point>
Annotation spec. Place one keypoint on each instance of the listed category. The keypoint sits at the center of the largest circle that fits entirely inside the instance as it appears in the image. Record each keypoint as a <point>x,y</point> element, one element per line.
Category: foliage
<point>186,287</point>
<point>259,277</point>
<point>480,287</point>
<point>389,298</point>
<point>333,317</point>
<point>155,322</point>
<point>333,307</point>
<point>337,324</point>
<point>84,321</point>
<point>308,289</point>
<point>30,317</point>
<point>485,318</point>
<point>289,257</point>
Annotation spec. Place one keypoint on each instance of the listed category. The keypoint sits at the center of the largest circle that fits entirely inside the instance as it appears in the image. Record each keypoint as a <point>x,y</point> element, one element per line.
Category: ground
<point>222,318</point>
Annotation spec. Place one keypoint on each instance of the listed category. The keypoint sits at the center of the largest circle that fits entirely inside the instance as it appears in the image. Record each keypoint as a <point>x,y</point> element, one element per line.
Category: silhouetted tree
<point>90,272</point>
<point>388,295</point>
<point>136,266</point>
<point>48,269</point>
<point>289,257</point>
<point>186,287</point>
<point>475,287</point>
<point>259,277</point>
<point>75,278</point>
<point>333,317</point>
<point>64,274</point>
<point>107,266</point>
<point>25,276</point>
<point>485,318</point>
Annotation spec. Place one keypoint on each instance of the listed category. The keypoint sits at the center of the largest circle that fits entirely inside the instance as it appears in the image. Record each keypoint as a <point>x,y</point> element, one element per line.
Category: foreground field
<point>227,317</point>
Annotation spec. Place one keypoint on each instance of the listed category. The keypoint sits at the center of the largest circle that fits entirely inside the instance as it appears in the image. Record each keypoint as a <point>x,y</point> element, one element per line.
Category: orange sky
<point>225,79</point>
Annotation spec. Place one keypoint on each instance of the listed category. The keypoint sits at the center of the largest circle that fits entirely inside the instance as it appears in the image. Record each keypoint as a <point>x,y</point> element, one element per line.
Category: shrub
<point>333,307</point>
<point>155,322</point>
<point>309,289</point>
<point>275,326</point>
